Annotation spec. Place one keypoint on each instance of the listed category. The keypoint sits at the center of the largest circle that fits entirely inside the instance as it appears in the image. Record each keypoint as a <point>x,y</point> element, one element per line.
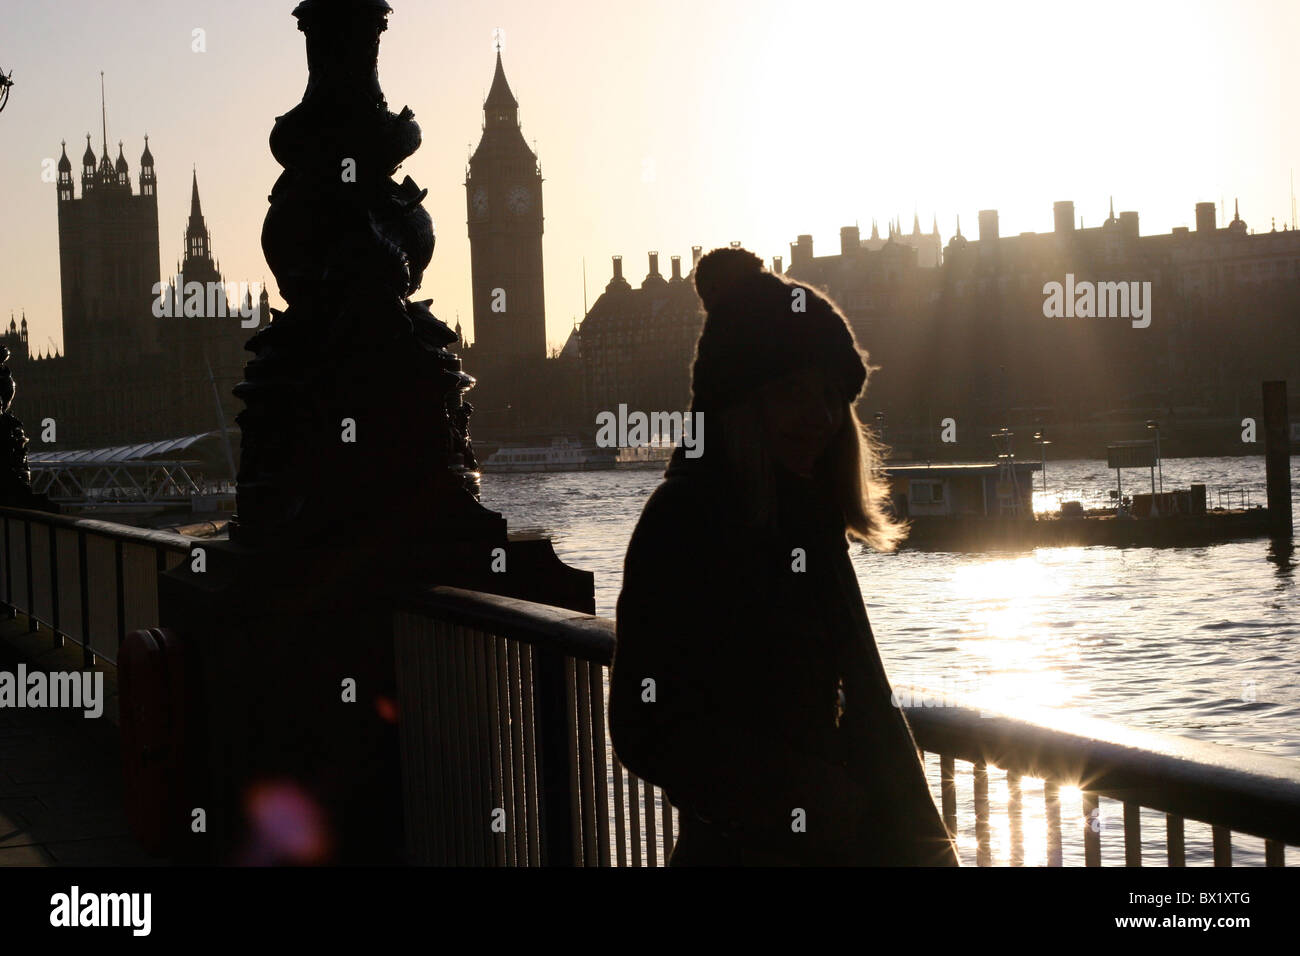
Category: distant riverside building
<point>1219,297</point>
<point>126,375</point>
<point>638,344</point>
<point>969,340</point>
<point>928,246</point>
<point>1208,258</point>
<point>1214,260</point>
<point>870,281</point>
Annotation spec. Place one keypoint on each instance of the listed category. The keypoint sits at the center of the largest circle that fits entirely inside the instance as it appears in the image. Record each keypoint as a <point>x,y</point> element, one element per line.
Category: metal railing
<point>504,738</point>
<point>1241,494</point>
<point>505,758</point>
<point>91,582</point>
<point>503,728</point>
<point>1232,790</point>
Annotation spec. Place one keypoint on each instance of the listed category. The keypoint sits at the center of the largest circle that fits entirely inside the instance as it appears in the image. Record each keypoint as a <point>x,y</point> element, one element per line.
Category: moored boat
<point>563,454</point>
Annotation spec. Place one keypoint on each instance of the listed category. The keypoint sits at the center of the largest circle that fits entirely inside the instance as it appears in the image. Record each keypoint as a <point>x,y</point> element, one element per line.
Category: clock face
<point>519,201</point>
<point>479,203</point>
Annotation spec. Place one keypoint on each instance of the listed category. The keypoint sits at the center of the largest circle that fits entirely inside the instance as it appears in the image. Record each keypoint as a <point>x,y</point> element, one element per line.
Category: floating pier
<point>987,507</point>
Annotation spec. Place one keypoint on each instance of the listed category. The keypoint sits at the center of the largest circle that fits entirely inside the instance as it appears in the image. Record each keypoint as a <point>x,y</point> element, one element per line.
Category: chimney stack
<point>618,267</point>
<point>1205,217</point>
<point>696,252</point>
<point>654,264</point>
<point>776,264</point>
<point>677,268</point>
<point>1063,215</point>
<point>801,251</point>
<point>988,224</point>
<point>850,240</point>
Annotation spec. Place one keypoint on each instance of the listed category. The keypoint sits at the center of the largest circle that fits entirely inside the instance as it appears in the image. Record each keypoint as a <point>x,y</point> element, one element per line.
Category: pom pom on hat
<point>722,271</point>
<point>755,332</point>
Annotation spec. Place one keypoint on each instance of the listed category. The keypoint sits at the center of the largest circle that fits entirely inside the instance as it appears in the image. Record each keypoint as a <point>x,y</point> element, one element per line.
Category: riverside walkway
<point>60,773</point>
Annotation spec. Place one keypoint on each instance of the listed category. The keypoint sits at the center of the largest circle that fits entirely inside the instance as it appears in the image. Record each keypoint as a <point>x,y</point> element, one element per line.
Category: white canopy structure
<point>150,473</point>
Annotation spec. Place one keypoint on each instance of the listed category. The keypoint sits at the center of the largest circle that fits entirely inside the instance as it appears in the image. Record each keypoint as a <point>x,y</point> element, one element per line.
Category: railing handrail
<point>108,529</point>
<point>86,580</point>
<point>1244,791</point>
<point>586,637</point>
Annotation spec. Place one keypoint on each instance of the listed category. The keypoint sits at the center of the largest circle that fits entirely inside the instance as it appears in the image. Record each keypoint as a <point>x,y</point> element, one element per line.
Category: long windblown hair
<point>849,472</point>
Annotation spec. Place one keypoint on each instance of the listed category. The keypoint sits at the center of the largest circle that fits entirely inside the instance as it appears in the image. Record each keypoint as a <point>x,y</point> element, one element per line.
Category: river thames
<point>1200,642</point>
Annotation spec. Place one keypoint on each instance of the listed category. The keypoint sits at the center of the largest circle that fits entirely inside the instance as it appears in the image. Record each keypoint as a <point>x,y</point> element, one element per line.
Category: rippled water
<point>1201,642</point>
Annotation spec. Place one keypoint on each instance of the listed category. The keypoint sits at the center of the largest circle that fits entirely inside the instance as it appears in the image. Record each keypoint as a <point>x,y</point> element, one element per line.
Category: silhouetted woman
<point>746,680</point>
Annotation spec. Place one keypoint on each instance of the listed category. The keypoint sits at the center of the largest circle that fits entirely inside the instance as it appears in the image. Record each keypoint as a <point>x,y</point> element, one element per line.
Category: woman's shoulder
<point>679,500</point>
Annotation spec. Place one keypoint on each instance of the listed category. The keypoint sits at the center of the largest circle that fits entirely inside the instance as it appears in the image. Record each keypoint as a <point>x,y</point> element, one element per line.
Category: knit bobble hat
<point>754,332</point>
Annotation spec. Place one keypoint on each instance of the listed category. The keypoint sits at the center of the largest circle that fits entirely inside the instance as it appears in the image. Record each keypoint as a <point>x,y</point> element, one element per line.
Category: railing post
<point>87,655</point>
<point>1132,834</point>
<point>634,817</point>
<point>119,577</point>
<point>32,625</point>
<point>948,788</point>
<point>1174,840</point>
<point>557,792</point>
<point>983,852</point>
<point>1092,824</point>
<point>1052,811</point>
<point>1222,846</point>
<point>1015,810</point>
<point>9,558</point>
<point>54,586</point>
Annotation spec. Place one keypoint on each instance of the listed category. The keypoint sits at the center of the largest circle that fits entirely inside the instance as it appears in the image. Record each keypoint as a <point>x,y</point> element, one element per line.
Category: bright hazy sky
<point>667,124</point>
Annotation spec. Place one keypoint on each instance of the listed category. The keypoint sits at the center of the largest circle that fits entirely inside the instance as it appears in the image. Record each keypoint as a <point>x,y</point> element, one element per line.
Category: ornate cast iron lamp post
<point>355,417</point>
<point>15,477</point>
<point>357,487</point>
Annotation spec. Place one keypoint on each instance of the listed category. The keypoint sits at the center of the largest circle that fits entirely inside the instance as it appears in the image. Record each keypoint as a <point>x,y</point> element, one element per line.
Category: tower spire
<point>103,110</point>
<point>196,211</point>
<point>499,96</point>
<point>198,242</point>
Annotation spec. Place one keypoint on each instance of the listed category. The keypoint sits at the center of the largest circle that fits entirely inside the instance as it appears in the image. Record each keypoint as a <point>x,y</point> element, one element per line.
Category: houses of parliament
<point>129,375</point>
<point>957,329</point>
<point>125,375</point>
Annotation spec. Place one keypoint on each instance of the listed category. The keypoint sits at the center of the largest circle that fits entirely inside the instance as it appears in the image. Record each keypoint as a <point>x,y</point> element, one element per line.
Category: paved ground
<point>60,773</point>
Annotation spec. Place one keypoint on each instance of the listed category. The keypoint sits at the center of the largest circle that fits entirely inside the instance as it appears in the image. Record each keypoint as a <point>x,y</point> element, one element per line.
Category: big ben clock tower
<point>503,192</point>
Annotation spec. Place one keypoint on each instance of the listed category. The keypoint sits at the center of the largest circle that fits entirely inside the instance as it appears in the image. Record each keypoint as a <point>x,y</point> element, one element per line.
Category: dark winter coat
<point>771,726</point>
